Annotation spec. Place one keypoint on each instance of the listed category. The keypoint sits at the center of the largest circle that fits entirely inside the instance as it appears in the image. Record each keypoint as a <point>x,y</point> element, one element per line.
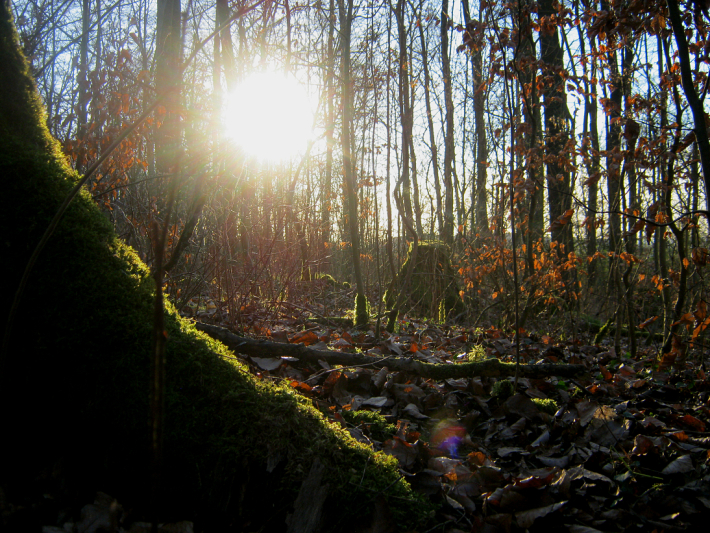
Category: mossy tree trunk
<point>426,283</point>
<point>75,377</point>
<point>345,10</point>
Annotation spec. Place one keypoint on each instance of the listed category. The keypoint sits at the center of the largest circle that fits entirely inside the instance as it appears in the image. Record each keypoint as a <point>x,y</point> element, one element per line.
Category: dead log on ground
<point>487,368</point>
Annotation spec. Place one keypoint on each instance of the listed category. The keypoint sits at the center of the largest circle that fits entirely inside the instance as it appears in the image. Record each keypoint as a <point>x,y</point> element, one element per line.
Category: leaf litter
<point>622,448</point>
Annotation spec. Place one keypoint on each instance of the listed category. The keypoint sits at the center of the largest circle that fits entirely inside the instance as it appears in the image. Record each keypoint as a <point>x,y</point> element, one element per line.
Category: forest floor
<point>623,447</point>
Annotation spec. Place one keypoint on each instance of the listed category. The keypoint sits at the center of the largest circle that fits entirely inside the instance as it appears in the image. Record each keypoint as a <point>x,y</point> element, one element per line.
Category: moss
<point>329,280</point>
<point>75,379</point>
<point>443,311</point>
<point>433,288</point>
<point>392,316</point>
<point>362,311</point>
<point>477,353</point>
<point>376,424</point>
<point>547,405</point>
<point>502,390</point>
<point>603,330</point>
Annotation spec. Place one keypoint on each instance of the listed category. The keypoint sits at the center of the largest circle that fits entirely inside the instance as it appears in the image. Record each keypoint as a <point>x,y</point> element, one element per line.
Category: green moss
<point>75,379</point>
<point>547,405</point>
<point>331,282</point>
<point>362,311</point>
<point>433,287</point>
<point>376,424</point>
<point>392,316</point>
<point>477,353</point>
<point>603,331</point>
<point>502,390</point>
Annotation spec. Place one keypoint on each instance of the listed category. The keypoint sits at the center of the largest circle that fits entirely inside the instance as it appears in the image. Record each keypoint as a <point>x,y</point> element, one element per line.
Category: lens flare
<point>447,437</point>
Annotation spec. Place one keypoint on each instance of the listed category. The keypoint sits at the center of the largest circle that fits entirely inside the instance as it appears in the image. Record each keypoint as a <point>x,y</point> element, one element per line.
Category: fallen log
<point>487,368</point>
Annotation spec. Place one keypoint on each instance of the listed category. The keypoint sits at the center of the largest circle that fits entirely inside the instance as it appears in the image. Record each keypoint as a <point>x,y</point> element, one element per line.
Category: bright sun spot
<point>270,116</point>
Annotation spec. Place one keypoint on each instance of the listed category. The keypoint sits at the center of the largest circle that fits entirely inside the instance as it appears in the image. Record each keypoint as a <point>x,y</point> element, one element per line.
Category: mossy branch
<point>488,368</point>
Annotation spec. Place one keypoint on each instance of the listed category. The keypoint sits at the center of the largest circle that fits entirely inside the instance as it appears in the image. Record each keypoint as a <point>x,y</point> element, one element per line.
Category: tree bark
<point>432,134</point>
<point>556,129</point>
<point>350,183</point>
<point>405,113</point>
<point>479,208</point>
<point>527,73</point>
<point>691,94</point>
<point>83,84</point>
<point>167,81</point>
<point>329,134</point>
<point>448,233</point>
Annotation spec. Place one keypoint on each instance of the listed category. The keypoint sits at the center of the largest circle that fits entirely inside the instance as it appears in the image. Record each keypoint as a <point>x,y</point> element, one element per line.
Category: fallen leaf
<point>526,519</point>
<point>574,528</point>
<point>505,451</point>
<point>341,343</point>
<point>693,422</point>
<point>642,445</point>
<point>267,363</point>
<point>413,411</point>
<point>683,464</point>
<point>378,401</point>
<point>304,337</point>
<point>400,449</point>
<point>302,386</point>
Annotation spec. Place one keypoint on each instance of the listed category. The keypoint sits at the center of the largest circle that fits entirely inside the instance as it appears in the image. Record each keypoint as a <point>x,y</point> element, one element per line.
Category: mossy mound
<point>433,290</point>
<point>330,282</point>
<point>74,381</point>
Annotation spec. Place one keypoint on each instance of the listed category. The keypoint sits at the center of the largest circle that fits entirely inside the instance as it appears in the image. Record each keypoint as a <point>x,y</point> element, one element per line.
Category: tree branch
<point>487,368</point>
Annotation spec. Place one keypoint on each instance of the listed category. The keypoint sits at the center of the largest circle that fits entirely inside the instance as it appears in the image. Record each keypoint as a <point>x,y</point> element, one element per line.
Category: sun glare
<point>270,116</point>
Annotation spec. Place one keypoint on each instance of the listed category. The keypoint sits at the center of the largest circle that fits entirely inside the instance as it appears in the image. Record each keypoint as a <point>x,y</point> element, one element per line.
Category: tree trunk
<point>167,82</point>
<point>350,183</point>
<point>405,113</point>
<point>480,205</point>
<point>590,151</point>
<point>691,94</point>
<point>432,134</point>
<point>489,368</point>
<point>83,84</point>
<point>330,142</point>
<point>527,73</point>
<point>448,233</point>
<point>556,130</point>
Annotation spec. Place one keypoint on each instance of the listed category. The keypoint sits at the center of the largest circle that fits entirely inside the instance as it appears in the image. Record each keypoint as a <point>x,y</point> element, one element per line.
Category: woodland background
<point>558,148</point>
<point>552,158</point>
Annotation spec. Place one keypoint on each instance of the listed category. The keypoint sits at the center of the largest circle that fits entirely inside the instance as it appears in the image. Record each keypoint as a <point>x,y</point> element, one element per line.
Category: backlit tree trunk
<point>432,134</point>
<point>403,189</point>
<point>351,198</point>
<point>479,208</point>
<point>556,129</point>
<point>167,83</point>
<point>448,233</point>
